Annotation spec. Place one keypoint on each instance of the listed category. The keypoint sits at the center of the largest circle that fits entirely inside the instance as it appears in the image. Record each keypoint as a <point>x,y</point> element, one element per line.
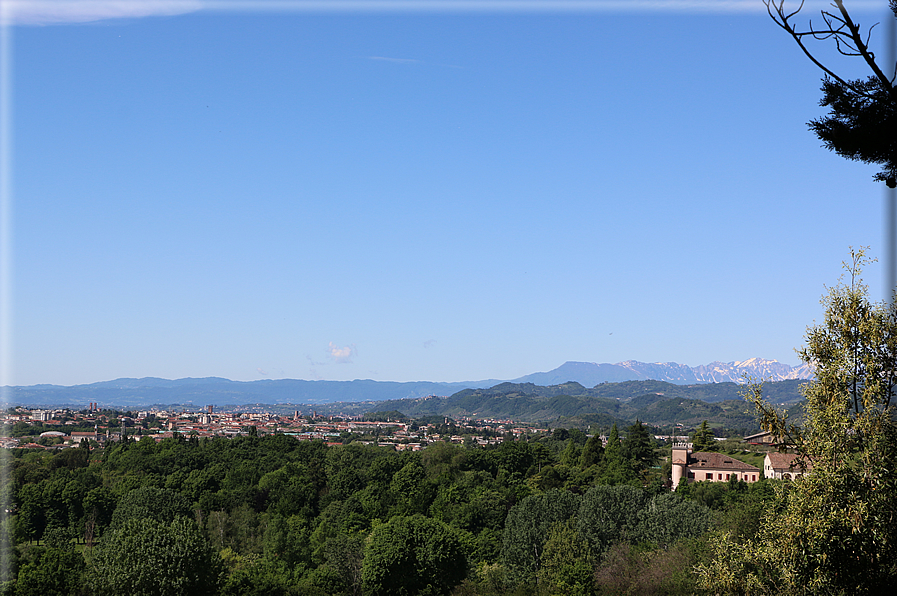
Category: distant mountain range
<point>590,374</point>
<point>133,393</point>
<point>148,391</point>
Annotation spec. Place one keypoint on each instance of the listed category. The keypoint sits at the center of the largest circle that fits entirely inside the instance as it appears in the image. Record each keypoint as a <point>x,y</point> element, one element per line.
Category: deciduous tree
<point>54,570</point>
<point>567,564</point>
<point>834,529</point>
<point>610,514</point>
<point>153,503</point>
<point>143,557</point>
<point>527,526</point>
<point>413,555</point>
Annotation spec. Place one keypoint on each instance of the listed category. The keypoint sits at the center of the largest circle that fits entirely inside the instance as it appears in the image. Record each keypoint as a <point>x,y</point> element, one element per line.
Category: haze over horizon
<point>408,194</point>
<point>541,377</point>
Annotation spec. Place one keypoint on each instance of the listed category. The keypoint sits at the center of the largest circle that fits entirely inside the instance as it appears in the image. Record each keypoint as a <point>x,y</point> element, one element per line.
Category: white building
<point>781,466</point>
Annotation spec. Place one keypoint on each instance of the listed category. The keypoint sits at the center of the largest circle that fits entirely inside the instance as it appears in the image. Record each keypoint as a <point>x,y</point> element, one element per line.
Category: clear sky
<point>416,191</point>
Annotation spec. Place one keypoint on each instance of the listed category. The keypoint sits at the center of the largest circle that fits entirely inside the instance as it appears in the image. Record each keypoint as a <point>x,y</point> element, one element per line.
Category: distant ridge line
<point>130,392</point>
<point>590,374</point>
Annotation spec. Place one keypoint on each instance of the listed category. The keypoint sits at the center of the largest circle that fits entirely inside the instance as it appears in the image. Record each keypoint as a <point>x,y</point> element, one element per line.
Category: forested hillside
<point>273,515</point>
<point>570,404</point>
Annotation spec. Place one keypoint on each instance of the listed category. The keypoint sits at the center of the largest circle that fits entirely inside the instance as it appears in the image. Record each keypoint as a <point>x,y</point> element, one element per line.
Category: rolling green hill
<point>570,404</point>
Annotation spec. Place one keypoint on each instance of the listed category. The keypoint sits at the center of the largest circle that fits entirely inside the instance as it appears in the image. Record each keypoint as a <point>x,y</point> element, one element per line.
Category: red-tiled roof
<point>718,461</point>
<point>783,461</point>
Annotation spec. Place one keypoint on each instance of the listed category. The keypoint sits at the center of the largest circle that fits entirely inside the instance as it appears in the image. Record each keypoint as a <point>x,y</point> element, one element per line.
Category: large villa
<point>707,465</point>
<point>716,467</point>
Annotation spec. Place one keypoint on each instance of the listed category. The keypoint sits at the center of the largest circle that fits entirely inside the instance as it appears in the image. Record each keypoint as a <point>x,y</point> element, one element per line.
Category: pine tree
<point>613,449</point>
<point>639,447</point>
<point>703,439</point>
<point>592,453</point>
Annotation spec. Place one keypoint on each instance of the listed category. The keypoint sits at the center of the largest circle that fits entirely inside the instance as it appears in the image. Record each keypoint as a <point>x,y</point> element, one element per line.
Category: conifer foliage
<point>703,439</point>
<point>862,120</point>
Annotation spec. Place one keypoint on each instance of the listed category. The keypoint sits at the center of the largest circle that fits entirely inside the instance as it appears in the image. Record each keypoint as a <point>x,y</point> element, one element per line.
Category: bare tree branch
<point>868,56</point>
<point>846,34</point>
<point>776,11</point>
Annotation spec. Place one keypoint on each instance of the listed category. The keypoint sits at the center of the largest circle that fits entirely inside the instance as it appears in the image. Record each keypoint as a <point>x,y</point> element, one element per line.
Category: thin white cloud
<point>341,355</point>
<point>53,12</point>
<point>264,373</point>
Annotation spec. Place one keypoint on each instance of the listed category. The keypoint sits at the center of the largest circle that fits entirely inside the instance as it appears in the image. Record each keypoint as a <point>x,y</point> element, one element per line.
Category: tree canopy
<point>834,529</point>
<point>143,557</point>
<point>413,555</point>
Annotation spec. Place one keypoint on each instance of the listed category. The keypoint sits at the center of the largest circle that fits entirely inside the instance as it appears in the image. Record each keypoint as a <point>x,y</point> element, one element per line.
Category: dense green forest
<point>274,515</point>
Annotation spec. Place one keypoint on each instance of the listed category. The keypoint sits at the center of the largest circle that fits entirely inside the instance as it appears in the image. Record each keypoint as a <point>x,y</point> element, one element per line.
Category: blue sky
<point>404,193</point>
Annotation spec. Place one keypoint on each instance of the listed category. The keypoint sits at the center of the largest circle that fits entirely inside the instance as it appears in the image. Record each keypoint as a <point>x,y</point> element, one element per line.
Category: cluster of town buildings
<point>208,423</point>
<point>686,464</point>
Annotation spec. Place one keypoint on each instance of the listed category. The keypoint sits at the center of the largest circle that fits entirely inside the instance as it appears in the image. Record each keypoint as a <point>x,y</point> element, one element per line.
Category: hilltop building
<point>706,465</point>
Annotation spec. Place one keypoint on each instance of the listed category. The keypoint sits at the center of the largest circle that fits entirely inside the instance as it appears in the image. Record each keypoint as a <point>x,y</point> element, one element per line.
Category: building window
<point>727,476</point>
<point>709,475</point>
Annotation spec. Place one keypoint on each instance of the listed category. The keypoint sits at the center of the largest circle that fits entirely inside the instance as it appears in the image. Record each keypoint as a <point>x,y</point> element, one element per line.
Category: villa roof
<point>783,461</point>
<point>718,461</point>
